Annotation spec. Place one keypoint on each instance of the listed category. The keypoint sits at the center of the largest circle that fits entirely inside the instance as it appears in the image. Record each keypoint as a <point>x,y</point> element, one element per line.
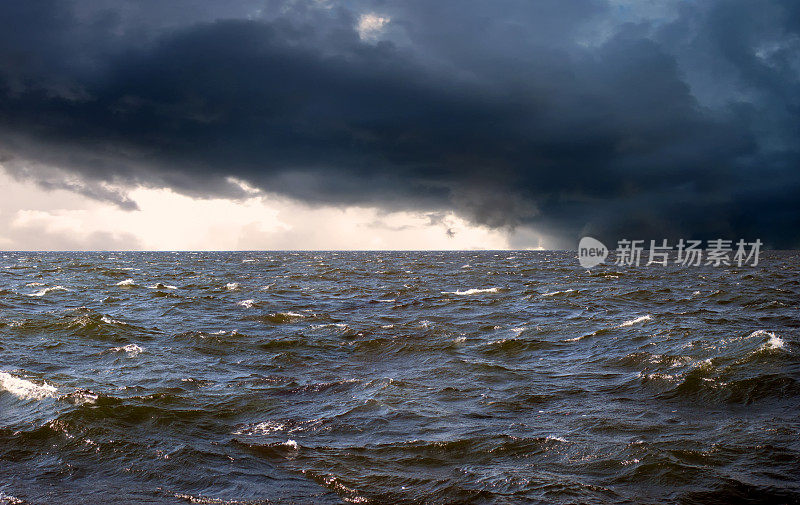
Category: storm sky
<point>478,124</point>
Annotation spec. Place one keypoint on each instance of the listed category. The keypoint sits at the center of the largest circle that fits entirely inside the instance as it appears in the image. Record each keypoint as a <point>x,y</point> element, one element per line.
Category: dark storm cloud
<point>580,117</point>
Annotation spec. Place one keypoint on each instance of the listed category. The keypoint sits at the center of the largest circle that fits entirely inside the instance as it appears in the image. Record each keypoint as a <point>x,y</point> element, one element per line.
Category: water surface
<point>402,377</point>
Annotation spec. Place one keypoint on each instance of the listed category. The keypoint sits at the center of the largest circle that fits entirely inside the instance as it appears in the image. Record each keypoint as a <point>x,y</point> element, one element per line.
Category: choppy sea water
<point>396,377</point>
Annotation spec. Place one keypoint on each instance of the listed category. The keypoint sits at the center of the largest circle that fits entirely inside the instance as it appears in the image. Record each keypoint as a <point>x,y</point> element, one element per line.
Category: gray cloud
<point>569,117</point>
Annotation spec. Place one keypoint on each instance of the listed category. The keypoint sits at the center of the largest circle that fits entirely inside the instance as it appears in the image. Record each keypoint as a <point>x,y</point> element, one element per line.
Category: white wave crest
<point>126,282</point>
<point>48,290</point>
<point>6,499</point>
<point>248,304</point>
<point>232,286</point>
<point>341,326</point>
<point>81,397</point>
<point>638,320</point>
<point>473,291</point>
<point>109,320</point>
<point>554,293</point>
<point>131,349</point>
<point>773,342</point>
<point>25,389</point>
<point>262,428</point>
<point>202,499</point>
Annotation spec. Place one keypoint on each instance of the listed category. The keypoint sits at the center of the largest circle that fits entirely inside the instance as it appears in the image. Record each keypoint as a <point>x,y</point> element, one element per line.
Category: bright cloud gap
<point>53,219</point>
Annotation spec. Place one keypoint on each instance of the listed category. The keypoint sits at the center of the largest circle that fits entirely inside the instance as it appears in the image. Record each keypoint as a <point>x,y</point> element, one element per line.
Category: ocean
<point>496,377</point>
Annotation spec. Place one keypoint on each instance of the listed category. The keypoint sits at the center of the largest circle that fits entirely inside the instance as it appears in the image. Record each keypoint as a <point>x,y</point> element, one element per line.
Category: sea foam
<point>554,293</point>
<point>473,291</point>
<point>25,389</point>
<point>773,342</point>
<point>638,320</point>
<point>6,499</point>
<point>48,290</point>
<point>131,349</point>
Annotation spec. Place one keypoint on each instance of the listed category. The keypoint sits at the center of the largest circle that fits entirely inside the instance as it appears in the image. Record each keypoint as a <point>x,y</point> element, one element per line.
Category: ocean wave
<point>263,428</point>
<point>346,492</point>
<point>81,323</point>
<point>318,387</point>
<point>81,397</point>
<point>232,286</point>
<point>514,346</point>
<point>773,342</point>
<point>518,331</point>
<point>160,285</point>
<point>555,293</point>
<point>637,320</point>
<point>646,359</point>
<point>706,384</point>
<point>282,317</point>
<point>126,283</point>
<point>473,291</point>
<point>339,329</point>
<point>248,304</point>
<point>51,289</point>
<point>595,333</point>
<point>6,499</point>
<point>205,500</point>
<point>132,350</point>
<point>109,320</point>
<point>25,389</point>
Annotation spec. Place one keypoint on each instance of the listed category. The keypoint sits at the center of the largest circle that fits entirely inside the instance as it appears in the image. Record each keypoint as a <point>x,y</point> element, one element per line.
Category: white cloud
<point>371,25</point>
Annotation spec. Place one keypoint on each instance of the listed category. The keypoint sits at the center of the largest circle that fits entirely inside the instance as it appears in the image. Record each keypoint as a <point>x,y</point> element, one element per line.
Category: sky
<point>376,124</point>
